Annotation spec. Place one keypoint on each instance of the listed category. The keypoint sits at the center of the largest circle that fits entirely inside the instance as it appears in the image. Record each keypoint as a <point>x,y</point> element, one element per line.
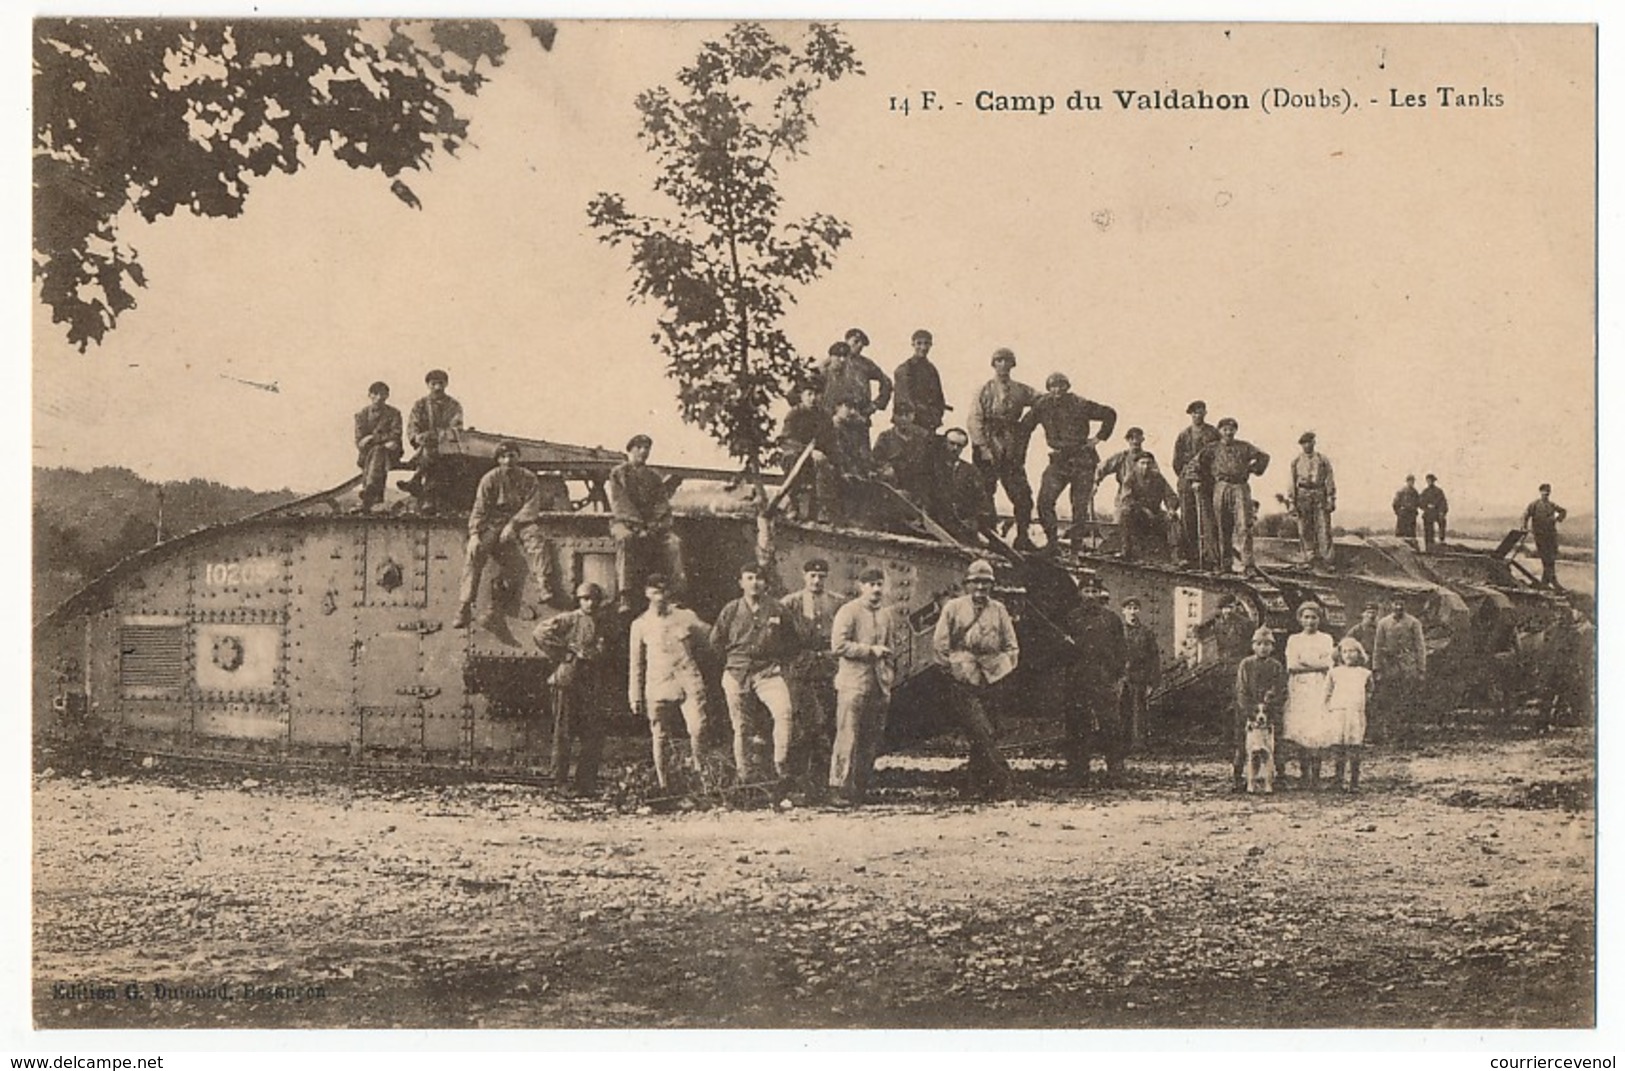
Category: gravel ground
<point>1455,890</point>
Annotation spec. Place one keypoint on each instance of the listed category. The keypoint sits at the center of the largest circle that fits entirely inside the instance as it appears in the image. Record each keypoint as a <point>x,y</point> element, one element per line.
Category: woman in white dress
<point>1308,724</point>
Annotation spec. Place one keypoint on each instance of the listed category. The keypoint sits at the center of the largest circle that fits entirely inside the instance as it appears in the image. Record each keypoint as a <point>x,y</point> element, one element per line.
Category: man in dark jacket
<point>1142,667</point>
<point>577,644</point>
<point>919,386</point>
<point>1094,716</point>
<point>378,444</point>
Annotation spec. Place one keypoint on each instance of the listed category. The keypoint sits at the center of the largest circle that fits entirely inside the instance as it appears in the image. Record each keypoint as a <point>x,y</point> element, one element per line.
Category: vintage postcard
<point>808,525</point>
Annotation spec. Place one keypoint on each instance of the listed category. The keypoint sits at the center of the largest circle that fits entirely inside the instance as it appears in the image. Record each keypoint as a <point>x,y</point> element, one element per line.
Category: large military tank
<point>312,633</point>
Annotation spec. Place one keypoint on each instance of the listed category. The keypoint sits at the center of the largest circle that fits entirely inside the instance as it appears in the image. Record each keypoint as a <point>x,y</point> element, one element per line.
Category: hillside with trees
<point>87,522</point>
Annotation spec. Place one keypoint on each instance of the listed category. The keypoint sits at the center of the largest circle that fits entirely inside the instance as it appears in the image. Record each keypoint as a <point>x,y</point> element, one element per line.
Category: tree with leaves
<point>153,116</point>
<point>724,264</point>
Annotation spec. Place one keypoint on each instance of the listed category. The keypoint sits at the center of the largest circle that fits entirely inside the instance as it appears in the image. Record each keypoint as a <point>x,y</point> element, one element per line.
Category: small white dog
<point>1260,751</point>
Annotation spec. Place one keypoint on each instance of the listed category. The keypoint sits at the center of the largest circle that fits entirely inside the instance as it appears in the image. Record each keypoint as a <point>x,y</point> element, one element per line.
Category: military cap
<point>639,440</point>
<point>902,414</point>
<point>1228,600</point>
<point>815,565</point>
<point>1307,437</point>
<point>1229,420</point>
<point>379,387</point>
<point>506,446</point>
<point>1131,601</point>
<point>872,575</point>
<point>437,375</point>
<point>656,581</point>
<point>1004,353</point>
<point>857,335</point>
<point>587,589</point>
<point>957,431</point>
<point>1263,633</point>
<point>922,335</point>
<point>751,567</point>
<point>1545,487</point>
<point>1057,379</point>
<point>980,569</point>
<point>1373,604</point>
<point>1432,478</point>
<point>1197,406</point>
<point>1410,479</point>
<point>1134,433</point>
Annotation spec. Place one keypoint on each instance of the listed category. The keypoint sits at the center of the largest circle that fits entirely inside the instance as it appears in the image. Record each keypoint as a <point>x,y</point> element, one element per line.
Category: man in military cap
<point>1198,540</point>
<point>975,639</point>
<point>1407,503</point>
<point>1067,422</point>
<point>810,613</point>
<point>970,499</point>
<point>435,416</point>
<point>846,375</point>
<point>912,460</point>
<point>1141,519</point>
<point>998,443</point>
<point>1094,711</point>
<point>663,675</point>
<point>866,638</point>
<point>1228,463</point>
<point>1121,464</point>
<point>378,444</point>
<point>1542,518</point>
<point>919,385</point>
<point>817,498</point>
<point>1313,500</point>
<point>576,642</point>
<point>755,639</point>
<point>1435,511</point>
<point>1399,663</point>
<point>1142,668</point>
<point>504,522</point>
<point>1365,629</point>
<point>641,520</point>
<point>1231,632</point>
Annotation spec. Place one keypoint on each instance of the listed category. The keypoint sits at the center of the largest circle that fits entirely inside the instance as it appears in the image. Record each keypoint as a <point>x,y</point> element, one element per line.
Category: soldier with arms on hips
<point>378,444</point>
<point>577,643</point>
<point>998,443</point>
<point>436,417</point>
<point>1198,538</point>
<point>865,637</point>
<point>663,675</point>
<point>1313,500</point>
<point>1227,464</point>
<point>641,520</point>
<point>505,522</point>
<point>1542,518</point>
<point>1066,419</point>
<point>976,639</point>
<point>1435,511</point>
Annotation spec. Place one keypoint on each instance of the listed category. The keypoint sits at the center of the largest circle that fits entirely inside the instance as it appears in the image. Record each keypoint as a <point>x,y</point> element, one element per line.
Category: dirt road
<point>1455,890</point>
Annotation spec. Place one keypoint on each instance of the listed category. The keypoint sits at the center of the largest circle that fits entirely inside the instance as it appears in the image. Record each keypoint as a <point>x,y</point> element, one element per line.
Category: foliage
<point>153,116</point>
<point>724,264</point>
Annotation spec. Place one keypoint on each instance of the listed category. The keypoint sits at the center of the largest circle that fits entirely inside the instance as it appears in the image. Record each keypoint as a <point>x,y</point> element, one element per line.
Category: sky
<point>1417,285</point>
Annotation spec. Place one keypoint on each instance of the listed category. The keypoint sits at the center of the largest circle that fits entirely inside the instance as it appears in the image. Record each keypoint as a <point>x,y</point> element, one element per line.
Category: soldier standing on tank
<point>641,520</point>
<point>435,417</point>
<point>1121,465</point>
<point>975,639</point>
<point>810,614</point>
<point>1142,668</point>
<point>1407,503</point>
<point>1066,419</point>
<point>846,376</point>
<point>866,638</point>
<point>1198,541</point>
<point>998,444</point>
<point>378,442</point>
<point>1435,509</point>
<point>1094,710</point>
<point>1314,499</point>
<point>1542,518</point>
<point>1228,463</point>
<point>919,385</point>
<point>505,520</point>
<point>576,642</point>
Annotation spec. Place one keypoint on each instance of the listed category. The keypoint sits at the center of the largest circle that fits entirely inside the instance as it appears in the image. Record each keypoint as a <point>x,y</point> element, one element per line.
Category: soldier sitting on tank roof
<point>1144,506</point>
<point>378,444</point>
<point>640,508</point>
<point>504,522</point>
<point>435,417</point>
<point>816,496</point>
<point>910,459</point>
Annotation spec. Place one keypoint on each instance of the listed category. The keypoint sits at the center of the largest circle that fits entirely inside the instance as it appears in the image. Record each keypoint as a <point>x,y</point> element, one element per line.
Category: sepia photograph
<point>812,525</point>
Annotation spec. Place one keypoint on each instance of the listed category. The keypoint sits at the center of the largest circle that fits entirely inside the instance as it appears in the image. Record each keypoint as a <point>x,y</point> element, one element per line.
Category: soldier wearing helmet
<point>1066,419</point>
<point>378,443</point>
<point>435,416</point>
<point>576,642</point>
<point>975,639</point>
<point>998,444</point>
<point>505,523</point>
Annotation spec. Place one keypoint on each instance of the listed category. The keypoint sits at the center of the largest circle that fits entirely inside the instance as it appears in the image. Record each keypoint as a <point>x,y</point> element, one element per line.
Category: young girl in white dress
<point>1347,687</point>
<point>1307,723</point>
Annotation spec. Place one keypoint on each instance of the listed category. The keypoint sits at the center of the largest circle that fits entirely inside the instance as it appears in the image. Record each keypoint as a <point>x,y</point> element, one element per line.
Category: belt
<point>1311,486</point>
<point>1239,483</point>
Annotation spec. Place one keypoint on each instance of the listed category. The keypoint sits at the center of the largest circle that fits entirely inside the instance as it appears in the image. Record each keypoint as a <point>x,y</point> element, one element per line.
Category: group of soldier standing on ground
<point>853,645</point>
